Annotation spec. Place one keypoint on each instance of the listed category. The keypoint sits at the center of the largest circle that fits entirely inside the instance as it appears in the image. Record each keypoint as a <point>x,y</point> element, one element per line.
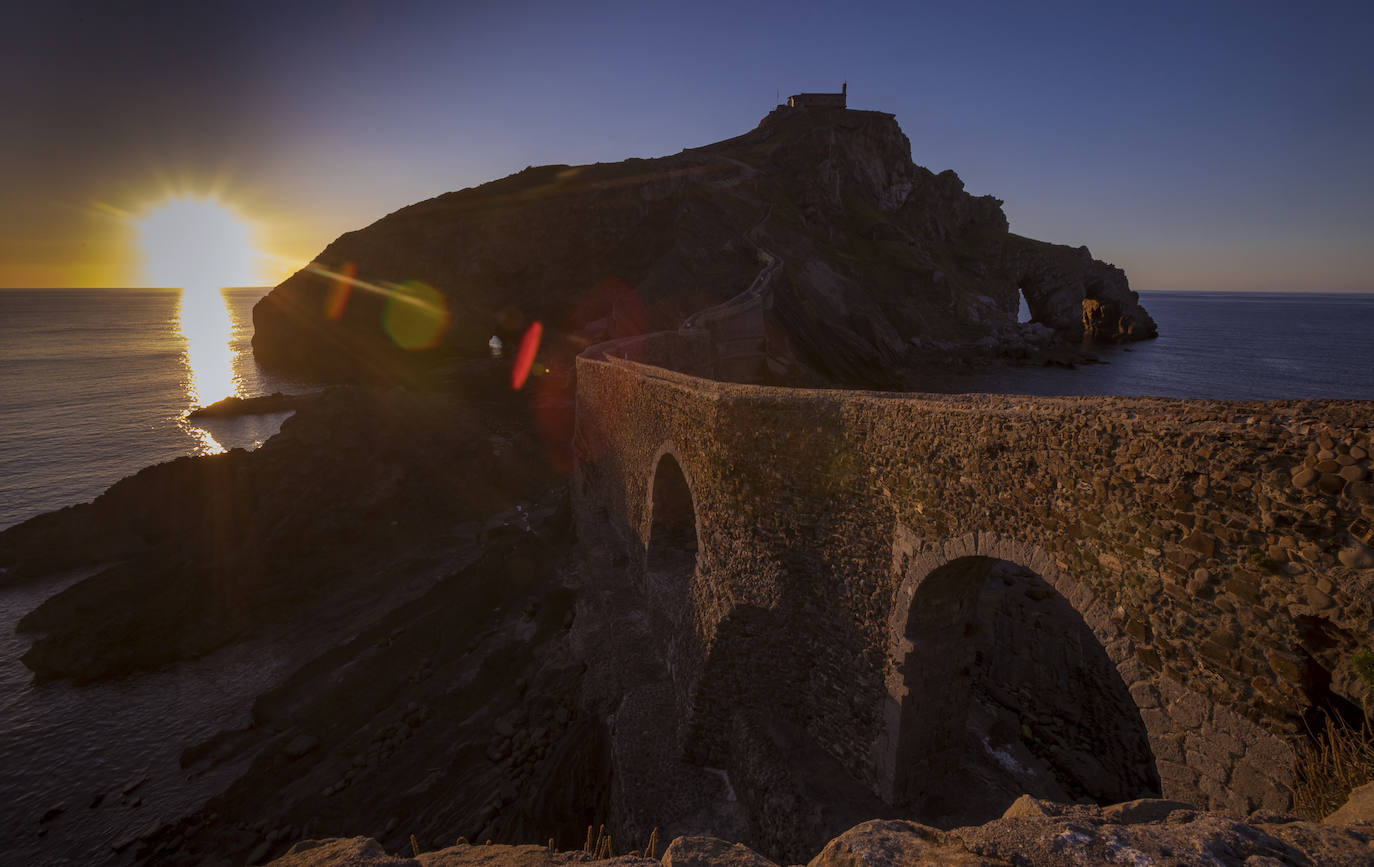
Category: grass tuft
<point>1336,761</point>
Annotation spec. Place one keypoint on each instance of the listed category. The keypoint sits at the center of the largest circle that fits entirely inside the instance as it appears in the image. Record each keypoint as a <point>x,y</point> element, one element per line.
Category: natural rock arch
<point>998,685</point>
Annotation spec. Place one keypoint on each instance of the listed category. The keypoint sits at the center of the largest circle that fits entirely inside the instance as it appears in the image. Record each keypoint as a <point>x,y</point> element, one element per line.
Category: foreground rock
<point>409,552</point>
<point>1137,833</point>
<point>871,251</point>
<point>356,486</point>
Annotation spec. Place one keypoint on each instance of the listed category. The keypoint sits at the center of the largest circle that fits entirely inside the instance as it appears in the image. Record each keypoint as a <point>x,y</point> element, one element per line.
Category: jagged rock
<point>1078,296</point>
<point>1147,831</point>
<point>875,249</point>
<point>1085,835</point>
<point>895,843</point>
<point>1026,806</point>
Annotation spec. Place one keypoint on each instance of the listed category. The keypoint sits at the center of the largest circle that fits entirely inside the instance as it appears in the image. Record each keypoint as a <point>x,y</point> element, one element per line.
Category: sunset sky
<point>1198,145</point>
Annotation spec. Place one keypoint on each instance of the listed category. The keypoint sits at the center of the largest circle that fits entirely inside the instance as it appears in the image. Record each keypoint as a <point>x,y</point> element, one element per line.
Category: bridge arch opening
<point>671,554</point>
<point>1009,692</point>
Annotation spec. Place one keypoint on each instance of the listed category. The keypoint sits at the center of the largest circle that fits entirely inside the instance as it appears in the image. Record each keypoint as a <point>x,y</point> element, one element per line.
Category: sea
<point>96,384</point>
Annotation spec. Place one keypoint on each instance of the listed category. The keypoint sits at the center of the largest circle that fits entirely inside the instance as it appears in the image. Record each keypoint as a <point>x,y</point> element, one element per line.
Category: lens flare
<point>524,358</point>
<point>415,315</point>
<point>339,291</point>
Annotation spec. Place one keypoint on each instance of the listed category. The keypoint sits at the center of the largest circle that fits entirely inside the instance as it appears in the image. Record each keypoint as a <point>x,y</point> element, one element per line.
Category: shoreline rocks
<point>234,406</point>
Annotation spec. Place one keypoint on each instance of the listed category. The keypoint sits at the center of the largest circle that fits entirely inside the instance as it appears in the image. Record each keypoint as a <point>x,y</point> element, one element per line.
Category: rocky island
<point>707,581</point>
<point>882,266</point>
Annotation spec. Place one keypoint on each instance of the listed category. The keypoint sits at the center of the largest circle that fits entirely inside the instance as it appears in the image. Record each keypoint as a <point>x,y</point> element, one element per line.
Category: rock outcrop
<point>1139,832</point>
<point>215,547</point>
<point>874,251</point>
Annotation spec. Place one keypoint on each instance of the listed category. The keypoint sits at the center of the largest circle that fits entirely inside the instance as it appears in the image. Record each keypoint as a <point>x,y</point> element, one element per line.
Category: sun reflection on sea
<point>207,329</point>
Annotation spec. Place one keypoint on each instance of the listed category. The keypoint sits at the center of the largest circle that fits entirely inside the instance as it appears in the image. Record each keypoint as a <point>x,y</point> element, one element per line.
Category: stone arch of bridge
<point>1004,671</point>
<point>672,534</point>
<point>672,526</point>
<point>671,531</point>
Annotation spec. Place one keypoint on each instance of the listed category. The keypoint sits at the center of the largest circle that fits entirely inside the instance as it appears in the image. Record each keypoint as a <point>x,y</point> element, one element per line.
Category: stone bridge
<point>1086,597</point>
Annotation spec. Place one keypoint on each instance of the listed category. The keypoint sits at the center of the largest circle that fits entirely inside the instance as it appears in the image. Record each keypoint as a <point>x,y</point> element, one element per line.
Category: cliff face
<point>874,252</point>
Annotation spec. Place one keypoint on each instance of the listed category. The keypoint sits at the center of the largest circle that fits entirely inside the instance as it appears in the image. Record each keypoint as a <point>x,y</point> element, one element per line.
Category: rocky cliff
<point>874,253</point>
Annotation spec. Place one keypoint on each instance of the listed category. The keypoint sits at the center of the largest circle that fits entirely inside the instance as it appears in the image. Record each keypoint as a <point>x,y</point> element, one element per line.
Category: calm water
<point>103,761</point>
<point>95,385</point>
<point>1224,346</point>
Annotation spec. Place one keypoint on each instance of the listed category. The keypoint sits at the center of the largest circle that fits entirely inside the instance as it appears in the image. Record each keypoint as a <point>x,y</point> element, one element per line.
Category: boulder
<point>341,852</point>
<point>1359,807</point>
<point>711,852</point>
<point>896,843</point>
<point>1143,810</point>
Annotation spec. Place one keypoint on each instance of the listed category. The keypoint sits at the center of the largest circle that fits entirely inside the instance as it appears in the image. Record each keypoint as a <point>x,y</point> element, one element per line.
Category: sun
<point>197,244</point>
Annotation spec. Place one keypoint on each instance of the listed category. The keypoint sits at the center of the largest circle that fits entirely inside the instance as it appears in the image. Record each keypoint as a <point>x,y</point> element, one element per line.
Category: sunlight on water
<point>207,329</point>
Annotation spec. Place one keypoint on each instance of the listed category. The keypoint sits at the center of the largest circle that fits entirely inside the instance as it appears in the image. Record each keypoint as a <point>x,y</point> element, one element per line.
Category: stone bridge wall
<point>1188,535</point>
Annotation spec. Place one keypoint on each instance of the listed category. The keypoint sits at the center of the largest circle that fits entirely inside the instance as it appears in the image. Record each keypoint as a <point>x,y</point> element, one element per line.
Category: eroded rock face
<point>874,250</point>
<point>1078,296</point>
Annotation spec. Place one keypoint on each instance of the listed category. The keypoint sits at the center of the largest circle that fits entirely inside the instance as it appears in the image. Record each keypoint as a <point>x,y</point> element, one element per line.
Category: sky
<point>1199,145</point>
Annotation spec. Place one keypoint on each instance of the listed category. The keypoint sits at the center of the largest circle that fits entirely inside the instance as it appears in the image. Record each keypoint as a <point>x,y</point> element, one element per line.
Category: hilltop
<point>878,259</point>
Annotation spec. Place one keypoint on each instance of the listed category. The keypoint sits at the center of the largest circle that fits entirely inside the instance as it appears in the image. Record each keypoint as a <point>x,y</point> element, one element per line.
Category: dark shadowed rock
<point>235,406</point>
<point>215,548</point>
